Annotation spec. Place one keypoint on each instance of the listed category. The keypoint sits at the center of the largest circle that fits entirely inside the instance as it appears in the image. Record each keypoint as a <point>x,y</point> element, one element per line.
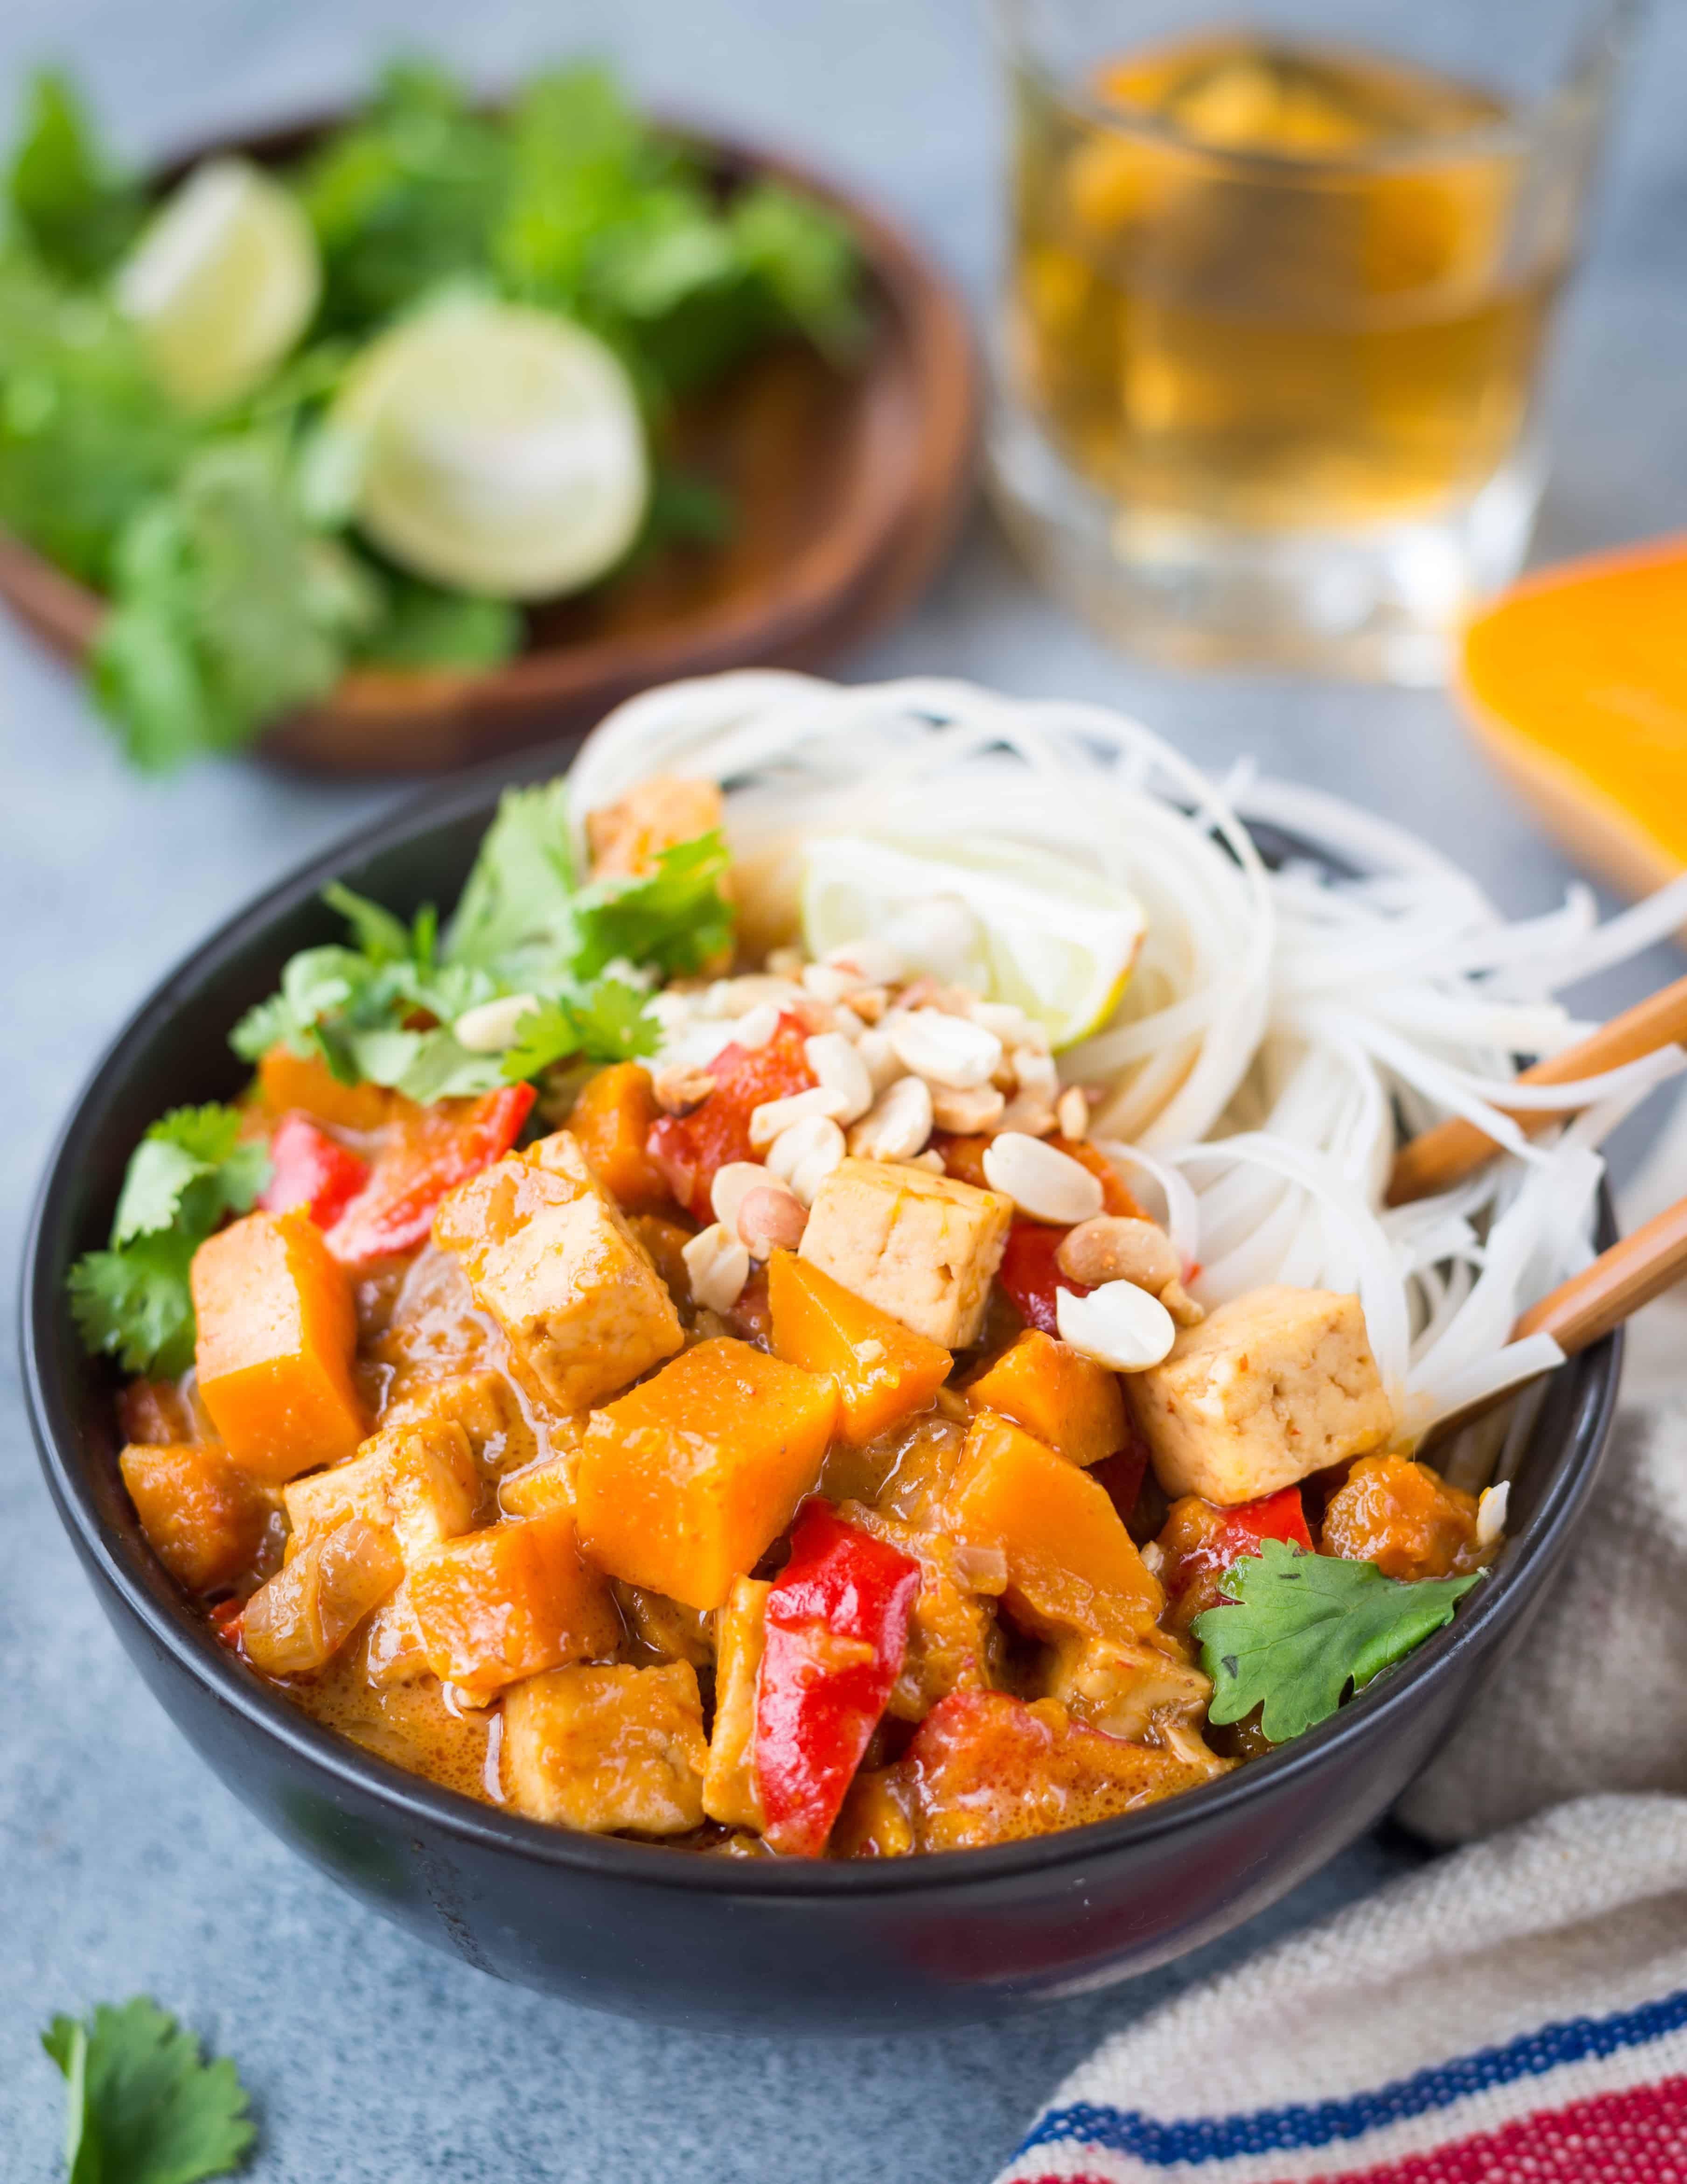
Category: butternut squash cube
<point>299,1620</point>
<point>684,1484</point>
<point>1058,1394</point>
<point>610,1123</point>
<point>731,1792</point>
<point>549,1255</point>
<point>921,1247</point>
<point>293,1084</point>
<point>627,839</point>
<point>419,1481</point>
<point>277,1332</point>
<point>883,1372</point>
<point>1071,1564</point>
<point>508,1601</point>
<point>202,1517</point>
<point>604,1748</point>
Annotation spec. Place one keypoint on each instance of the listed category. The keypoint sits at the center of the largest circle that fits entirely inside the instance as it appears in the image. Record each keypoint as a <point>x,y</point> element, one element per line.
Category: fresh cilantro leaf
<point>142,2104</point>
<point>608,1020</point>
<point>426,628</point>
<point>1303,1627</point>
<point>76,215</point>
<point>805,256</point>
<point>677,919</point>
<point>190,1171</point>
<point>515,913</point>
<point>316,982</point>
<point>378,934</point>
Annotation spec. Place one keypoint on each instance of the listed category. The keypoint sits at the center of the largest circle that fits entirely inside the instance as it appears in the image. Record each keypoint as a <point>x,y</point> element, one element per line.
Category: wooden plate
<point>848,489</point>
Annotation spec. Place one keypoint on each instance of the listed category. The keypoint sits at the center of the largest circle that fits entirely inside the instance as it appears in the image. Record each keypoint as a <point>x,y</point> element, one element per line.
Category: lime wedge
<point>222,282</point>
<point>503,449</point>
<point>1019,924</point>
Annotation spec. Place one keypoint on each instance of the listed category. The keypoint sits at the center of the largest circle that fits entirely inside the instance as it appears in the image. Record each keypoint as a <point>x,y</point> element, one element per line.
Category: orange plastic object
<point>884,1371</point>
<point>1056,1393</point>
<point>510,1601</point>
<point>276,1333</point>
<point>611,1120</point>
<point>290,1083</point>
<point>202,1517</point>
<point>685,1483</point>
<point>1576,681</point>
<point>1072,1564</point>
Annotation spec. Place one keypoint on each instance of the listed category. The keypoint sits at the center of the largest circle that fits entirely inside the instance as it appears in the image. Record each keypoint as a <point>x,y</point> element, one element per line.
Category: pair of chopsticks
<point>1633,1272</point>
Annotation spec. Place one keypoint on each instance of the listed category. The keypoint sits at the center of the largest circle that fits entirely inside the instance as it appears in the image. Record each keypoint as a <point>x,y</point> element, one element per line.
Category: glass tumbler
<point>1276,298</point>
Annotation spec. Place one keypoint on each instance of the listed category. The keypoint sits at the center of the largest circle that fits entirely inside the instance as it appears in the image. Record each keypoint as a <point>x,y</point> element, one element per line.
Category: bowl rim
<point>176,1630</point>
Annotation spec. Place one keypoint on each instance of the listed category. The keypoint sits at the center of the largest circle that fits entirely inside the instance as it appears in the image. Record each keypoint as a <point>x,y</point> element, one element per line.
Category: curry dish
<point>811,1449</point>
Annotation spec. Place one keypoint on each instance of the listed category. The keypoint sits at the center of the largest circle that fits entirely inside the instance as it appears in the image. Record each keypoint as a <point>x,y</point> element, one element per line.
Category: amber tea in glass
<point>1273,331</point>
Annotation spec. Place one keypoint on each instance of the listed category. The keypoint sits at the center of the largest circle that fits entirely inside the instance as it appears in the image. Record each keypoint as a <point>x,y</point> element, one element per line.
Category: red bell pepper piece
<point>1029,1275</point>
<point>837,1629</point>
<point>426,1152</point>
<point>312,1172</point>
<point>691,1150</point>
<point>1229,1535</point>
<point>228,1623</point>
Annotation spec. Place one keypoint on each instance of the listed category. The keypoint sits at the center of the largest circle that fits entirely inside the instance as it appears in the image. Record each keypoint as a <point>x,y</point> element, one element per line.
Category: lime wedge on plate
<point>503,449</point>
<point>222,282</point>
<point>1022,925</point>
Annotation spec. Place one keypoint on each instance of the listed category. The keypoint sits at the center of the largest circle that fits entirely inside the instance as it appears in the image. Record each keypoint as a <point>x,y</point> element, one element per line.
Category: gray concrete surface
<point>123,1865</point>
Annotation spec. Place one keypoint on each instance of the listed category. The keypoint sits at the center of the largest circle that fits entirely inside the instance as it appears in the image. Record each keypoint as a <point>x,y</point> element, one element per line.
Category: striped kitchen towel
<point>1516,2013</point>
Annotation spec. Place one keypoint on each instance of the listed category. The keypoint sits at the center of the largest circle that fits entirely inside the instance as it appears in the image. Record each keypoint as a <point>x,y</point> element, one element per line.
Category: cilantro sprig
<point>1303,1627</point>
<point>142,2106</point>
<point>188,1175</point>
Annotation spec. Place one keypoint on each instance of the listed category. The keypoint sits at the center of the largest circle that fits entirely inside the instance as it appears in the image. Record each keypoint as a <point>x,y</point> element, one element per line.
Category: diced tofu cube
<point>1058,1394</point>
<point>510,1601</point>
<point>276,1334</point>
<point>602,1749</point>
<point>202,1517</point>
<point>299,1620</point>
<point>684,1484</point>
<point>1125,1685</point>
<point>921,1247</point>
<point>1071,1564</point>
<point>549,1255</point>
<point>394,1654</point>
<point>419,1481</point>
<point>730,1793</point>
<point>610,1123</point>
<point>486,1406</point>
<point>626,839</point>
<point>1267,1389</point>
<point>883,1373</point>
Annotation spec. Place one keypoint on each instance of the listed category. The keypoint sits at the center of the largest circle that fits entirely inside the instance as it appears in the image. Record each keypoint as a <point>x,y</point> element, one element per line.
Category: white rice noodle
<point>1279,1028</point>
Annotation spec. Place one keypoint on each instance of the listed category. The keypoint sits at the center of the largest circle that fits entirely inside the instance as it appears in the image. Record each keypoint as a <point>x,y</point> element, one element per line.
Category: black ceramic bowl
<point>629,1927</point>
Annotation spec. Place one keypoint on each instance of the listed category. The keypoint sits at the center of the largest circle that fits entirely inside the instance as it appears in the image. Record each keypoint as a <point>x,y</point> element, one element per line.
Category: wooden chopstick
<point>1456,1149</point>
<point>1631,1273</point>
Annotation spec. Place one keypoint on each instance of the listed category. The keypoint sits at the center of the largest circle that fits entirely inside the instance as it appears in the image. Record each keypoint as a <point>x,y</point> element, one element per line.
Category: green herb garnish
<point>187,1175</point>
<point>142,2106</point>
<point>1305,1627</point>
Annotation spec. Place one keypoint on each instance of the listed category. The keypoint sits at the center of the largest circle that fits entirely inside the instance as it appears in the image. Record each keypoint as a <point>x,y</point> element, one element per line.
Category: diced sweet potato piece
<point>984,1768</point>
<point>1405,1518</point>
<point>954,1643</point>
<point>418,1480</point>
<point>1058,1394</point>
<point>276,1333</point>
<point>684,1484</point>
<point>921,1247</point>
<point>884,1374</point>
<point>600,1749</point>
<point>304,1084</point>
<point>508,1601</point>
<point>610,1123</point>
<point>540,1487</point>
<point>549,1254</point>
<point>300,1619</point>
<point>202,1517</point>
<point>1268,1389</point>
<point>626,839</point>
<point>731,1792</point>
<point>1071,1562</point>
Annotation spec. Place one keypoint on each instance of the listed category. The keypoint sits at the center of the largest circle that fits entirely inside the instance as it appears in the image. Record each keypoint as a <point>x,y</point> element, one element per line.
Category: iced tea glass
<point>1277,298</point>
